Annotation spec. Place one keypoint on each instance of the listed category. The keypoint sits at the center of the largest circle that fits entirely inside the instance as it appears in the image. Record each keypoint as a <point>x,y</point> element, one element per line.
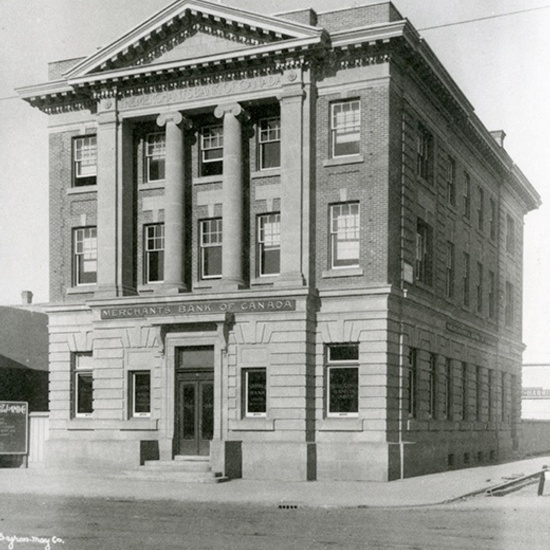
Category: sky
<point>500,63</point>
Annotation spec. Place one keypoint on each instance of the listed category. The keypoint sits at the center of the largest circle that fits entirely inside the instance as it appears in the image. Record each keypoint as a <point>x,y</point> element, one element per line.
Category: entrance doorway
<point>194,400</point>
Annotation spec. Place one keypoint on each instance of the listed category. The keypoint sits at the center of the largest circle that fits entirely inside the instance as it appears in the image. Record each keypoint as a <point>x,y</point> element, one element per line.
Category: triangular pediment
<point>192,30</point>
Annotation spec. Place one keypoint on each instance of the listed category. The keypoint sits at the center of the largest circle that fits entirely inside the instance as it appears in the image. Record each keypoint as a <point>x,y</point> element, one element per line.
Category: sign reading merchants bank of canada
<point>198,307</point>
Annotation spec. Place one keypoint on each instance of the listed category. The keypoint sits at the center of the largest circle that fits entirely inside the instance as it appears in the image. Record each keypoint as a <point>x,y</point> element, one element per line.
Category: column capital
<point>175,117</point>
<point>235,109</point>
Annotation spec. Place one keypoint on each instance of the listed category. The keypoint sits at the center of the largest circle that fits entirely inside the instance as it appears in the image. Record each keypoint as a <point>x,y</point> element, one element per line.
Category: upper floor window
<point>85,160</point>
<point>451,181</point>
<point>493,219</point>
<point>155,157</point>
<point>509,305</point>
<point>424,154</point>
<point>270,143</point>
<point>510,234</point>
<point>466,279</point>
<point>492,294</point>
<point>269,244</point>
<point>449,386</point>
<point>85,256</point>
<point>211,248</point>
<point>424,253</point>
<point>467,195</point>
<point>212,151</point>
<point>450,270</point>
<point>479,287</point>
<point>344,235</point>
<point>154,253</point>
<point>343,380</point>
<point>83,384</point>
<point>480,208</point>
<point>345,128</point>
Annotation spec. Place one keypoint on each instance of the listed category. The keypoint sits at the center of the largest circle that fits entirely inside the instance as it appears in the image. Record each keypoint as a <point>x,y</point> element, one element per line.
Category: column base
<point>171,288</point>
<point>289,280</point>
<point>228,285</point>
<point>113,291</point>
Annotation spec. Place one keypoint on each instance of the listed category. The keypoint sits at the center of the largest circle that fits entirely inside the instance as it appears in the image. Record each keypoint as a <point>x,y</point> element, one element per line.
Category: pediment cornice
<point>169,27</point>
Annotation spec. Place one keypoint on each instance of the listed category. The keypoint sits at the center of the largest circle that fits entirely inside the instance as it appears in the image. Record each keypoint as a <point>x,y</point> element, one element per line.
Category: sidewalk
<point>417,491</point>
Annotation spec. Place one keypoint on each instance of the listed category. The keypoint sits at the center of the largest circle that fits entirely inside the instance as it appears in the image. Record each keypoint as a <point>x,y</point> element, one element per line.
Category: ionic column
<point>174,212</point>
<point>292,180</point>
<point>107,199</point>
<point>232,195</point>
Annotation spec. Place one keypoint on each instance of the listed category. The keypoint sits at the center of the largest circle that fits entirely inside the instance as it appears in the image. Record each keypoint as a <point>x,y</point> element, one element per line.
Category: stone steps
<point>188,469</point>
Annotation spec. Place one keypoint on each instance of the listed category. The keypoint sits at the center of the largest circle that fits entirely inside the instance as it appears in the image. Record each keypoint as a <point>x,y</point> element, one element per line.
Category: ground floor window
<point>83,384</point>
<point>343,380</point>
<point>255,392</point>
<point>140,393</point>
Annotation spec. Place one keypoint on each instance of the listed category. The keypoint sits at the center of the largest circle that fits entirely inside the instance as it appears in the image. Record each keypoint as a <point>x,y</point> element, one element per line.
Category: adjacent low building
<point>286,243</point>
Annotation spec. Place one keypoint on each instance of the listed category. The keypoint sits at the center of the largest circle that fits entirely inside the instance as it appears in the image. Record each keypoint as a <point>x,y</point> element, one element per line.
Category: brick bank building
<point>286,244</point>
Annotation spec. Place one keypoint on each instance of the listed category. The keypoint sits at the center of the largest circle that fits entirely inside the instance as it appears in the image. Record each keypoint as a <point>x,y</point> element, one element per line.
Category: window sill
<point>340,161</point>
<point>259,424</point>
<point>83,189</point>
<point>267,173</point>
<point>84,289</point>
<point>208,179</point>
<point>342,424</point>
<point>151,185</point>
<point>344,272</point>
<point>150,288</point>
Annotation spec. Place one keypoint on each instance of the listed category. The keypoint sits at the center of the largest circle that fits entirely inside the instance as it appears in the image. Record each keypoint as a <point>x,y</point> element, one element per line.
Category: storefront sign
<point>13,427</point>
<point>539,393</point>
<point>198,308</point>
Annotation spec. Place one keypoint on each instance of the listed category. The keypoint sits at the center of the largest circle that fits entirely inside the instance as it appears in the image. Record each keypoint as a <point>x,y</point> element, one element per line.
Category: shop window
<point>83,397</point>
<point>424,154</point>
<point>155,157</point>
<point>412,386</point>
<point>212,151</point>
<point>424,253</point>
<point>270,143</point>
<point>140,393</point>
<point>344,235</point>
<point>343,380</point>
<point>449,397</point>
<point>211,248</point>
<point>432,385</point>
<point>84,161</point>
<point>345,128</point>
<point>255,392</point>
<point>154,253</point>
<point>464,390</point>
<point>479,393</point>
<point>84,256</point>
<point>269,244</point>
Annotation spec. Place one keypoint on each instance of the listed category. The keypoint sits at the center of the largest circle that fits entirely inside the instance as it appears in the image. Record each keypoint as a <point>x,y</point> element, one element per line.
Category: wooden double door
<point>194,400</point>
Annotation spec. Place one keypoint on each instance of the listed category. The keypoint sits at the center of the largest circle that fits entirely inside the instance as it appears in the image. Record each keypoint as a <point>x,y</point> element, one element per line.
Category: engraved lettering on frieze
<point>216,89</point>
